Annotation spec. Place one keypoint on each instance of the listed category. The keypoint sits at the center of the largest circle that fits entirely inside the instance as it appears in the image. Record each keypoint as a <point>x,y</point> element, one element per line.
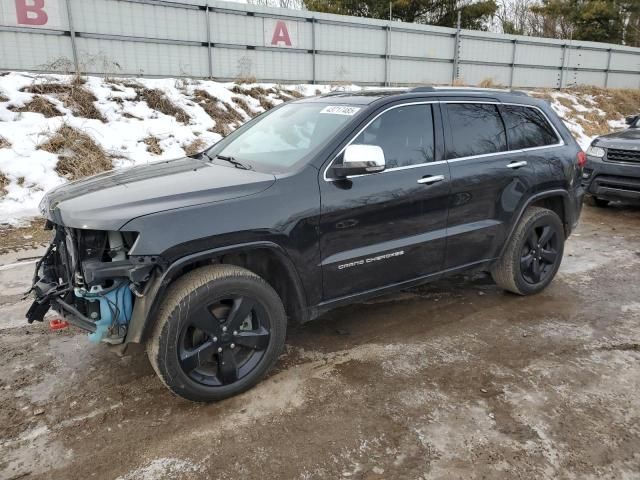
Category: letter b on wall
<point>31,13</point>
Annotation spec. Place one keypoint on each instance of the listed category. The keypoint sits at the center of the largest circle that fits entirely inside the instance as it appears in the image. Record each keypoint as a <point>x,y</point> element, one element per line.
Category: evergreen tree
<point>611,21</point>
<point>475,14</point>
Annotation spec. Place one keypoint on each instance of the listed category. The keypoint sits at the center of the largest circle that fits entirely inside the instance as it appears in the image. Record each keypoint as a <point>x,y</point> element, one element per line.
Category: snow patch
<point>162,468</point>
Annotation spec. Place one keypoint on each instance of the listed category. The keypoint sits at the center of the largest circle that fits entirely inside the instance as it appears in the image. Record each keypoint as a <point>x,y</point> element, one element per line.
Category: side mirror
<point>631,119</point>
<point>360,160</point>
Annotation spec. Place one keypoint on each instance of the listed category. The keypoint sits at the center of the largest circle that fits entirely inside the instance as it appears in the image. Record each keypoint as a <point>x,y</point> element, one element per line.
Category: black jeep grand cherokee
<point>312,205</point>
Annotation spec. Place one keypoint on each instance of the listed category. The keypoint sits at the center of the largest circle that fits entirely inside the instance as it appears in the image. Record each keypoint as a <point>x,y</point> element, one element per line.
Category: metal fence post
<point>386,55</point>
<point>456,53</point>
<point>564,54</point>
<point>209,50</point>
<point>72,31</point>
<point>513,62</point>
<point>313,50</point>
<point>606,73</point>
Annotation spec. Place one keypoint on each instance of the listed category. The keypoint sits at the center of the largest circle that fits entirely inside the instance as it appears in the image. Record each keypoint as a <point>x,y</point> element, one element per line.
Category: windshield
<point>285,137</point>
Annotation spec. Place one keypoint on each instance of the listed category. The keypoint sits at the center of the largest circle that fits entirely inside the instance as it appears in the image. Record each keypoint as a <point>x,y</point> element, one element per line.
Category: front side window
<point>405,135</point>
<point>527,127</point>
<point>286,136</point>
<point>476,129</point>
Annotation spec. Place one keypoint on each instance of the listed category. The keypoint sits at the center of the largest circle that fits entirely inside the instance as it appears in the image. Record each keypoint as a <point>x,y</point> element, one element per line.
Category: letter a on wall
<point>280,33</point>
<point>31,13</point>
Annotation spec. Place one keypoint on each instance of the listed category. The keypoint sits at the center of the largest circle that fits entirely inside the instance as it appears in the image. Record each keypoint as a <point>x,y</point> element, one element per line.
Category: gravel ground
<point>455,379</point>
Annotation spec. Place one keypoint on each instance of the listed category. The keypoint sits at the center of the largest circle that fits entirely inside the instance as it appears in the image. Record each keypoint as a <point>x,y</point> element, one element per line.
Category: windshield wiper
<point>233,162</point>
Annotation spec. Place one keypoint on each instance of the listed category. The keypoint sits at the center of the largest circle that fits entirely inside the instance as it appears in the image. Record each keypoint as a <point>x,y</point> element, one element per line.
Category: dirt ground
<point>455,379</point>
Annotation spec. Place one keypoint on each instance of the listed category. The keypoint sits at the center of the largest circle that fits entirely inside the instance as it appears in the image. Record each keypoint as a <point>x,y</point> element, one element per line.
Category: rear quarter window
<point>527,127</point>
<point>476,129</point>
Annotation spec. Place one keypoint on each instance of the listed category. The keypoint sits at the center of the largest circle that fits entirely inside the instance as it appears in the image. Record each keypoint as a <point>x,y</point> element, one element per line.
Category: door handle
<point>430,180</point>
<point>517,164</point>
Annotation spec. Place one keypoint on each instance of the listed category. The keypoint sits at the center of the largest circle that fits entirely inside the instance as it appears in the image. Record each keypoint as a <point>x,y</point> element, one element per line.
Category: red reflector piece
<point>582,159</point>
<point>58,324</point>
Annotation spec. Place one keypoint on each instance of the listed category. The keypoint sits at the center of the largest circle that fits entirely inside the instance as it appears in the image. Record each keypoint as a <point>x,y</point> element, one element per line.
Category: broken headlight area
<point>88,278</point>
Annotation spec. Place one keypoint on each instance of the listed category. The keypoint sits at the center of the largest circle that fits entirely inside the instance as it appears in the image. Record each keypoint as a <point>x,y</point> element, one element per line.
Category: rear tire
<point>218,331</point>
<point>596,202</point>
<point>533,254</point>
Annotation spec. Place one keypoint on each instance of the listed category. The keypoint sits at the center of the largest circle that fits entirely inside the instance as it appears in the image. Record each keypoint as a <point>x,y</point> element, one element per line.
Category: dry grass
<point>153,145</point>
<point>593,123</point>
<point>225,116</point>
<point>259,93</point>
<point>195,147</point>
<point>3,98</point>
<point>74,96</point>
<point>565,102</point>
<point>284,96</point>
<point>78,155</point>
<point>244,106</point>
<point>294,93</point>
<point>489,83</point>
<point>39,104</point>
<point>4,181</point>
<point>246,79</point>
<point>614,101</point>
<point>266,103</point>
<point>458,82</point>
<point>262,94</point>
<point>544,94</point>
<point>51,88</point>
<point>4,143</point>
<point>119,84</point>
<point>157,100</point>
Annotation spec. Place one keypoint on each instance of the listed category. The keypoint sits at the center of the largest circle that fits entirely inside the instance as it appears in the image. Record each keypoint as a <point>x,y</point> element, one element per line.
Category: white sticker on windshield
<point>340,110</point>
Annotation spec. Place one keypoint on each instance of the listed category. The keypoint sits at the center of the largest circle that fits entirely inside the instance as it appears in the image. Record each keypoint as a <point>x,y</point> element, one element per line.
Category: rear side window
<point>405,135</point>
<point>476,129</point>
<point>527,127</point>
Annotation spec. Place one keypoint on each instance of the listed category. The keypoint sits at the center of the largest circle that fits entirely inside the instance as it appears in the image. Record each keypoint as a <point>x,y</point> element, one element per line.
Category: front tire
<point>534,253</point>
<point>217,333</point>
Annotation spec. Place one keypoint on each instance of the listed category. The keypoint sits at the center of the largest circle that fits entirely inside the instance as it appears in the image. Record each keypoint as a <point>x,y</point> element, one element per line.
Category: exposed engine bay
<point>88,278</point>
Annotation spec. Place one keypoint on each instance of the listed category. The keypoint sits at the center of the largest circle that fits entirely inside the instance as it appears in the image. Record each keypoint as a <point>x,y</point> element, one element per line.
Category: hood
<point>628,139</point>
<point>109,200</point>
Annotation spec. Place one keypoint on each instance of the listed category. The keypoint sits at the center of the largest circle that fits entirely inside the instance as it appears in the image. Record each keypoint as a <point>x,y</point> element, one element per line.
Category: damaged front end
<point>88,278</point>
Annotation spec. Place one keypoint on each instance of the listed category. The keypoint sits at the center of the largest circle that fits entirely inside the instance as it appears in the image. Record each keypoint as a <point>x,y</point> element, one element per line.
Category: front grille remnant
<point>619,155</point>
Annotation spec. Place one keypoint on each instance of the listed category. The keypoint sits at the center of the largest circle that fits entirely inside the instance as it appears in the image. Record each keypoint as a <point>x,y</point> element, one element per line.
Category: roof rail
<point>422,89</point>
<point>474,89</point>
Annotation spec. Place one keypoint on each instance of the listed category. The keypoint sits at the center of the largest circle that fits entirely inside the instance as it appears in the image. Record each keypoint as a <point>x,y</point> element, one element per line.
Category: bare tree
<point>516,17</point>
<point>294,4</point>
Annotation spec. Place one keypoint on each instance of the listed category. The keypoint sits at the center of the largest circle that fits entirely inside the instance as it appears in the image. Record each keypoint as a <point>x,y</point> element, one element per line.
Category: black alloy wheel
<point>539,254</point>
<point>223,340</point>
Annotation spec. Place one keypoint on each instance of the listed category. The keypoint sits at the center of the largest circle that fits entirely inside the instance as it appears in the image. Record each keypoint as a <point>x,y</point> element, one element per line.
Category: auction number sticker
<point>340,110</point>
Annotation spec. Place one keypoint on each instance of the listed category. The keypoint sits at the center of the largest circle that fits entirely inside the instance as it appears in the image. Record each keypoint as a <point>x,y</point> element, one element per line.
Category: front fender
<point>146,307</point>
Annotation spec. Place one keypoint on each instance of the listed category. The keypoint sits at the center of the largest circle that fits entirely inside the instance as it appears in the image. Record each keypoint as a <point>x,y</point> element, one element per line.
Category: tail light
<point>581,159</point>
